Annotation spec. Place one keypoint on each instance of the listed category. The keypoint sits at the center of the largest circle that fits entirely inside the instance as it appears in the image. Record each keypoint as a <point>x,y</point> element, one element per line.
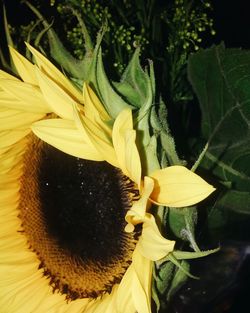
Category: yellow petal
<point>95,112</point>
<point>137,213</point>
<point>8,162</point>
<point>8,76</point>
<point>105,304</point>
<point>47,67</point>
<point>127,154</point>
<point>124,300</point>
<point>9,157</point>
<point>63,135</point>
<point>122,123</point>
<point>10,137</point>
<point>101,140</point>
<point>176,186</point>
<point>78,119</point>
<point>141,284</point>
<point>11,119</point>
<point>152,245</point>
<point>9,101</point>
<point>24,67</point>
<point>25,93</point>
<point>57,99</point>
<point>92,105</point>
<point>133,162</point>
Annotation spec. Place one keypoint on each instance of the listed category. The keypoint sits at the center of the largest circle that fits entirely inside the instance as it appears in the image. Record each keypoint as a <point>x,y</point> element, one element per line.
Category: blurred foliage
<point>220,78</point>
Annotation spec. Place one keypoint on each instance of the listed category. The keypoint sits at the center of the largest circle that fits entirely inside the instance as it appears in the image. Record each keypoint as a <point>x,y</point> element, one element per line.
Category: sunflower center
<point>83,203</point>
<point>72,213</point>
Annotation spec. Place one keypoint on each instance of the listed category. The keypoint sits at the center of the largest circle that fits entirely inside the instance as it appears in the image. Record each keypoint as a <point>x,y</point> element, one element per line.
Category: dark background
<point>231,20</point>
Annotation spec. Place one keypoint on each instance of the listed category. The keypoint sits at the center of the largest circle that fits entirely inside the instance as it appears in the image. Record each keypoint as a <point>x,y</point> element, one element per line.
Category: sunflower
<point>76,233</point>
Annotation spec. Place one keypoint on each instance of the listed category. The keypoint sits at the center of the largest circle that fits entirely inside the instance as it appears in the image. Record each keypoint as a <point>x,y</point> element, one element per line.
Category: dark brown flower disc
<point>72,213</point>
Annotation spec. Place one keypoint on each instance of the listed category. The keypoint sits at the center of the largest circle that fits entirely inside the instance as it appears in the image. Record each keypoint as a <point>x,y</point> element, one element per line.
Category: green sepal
<point>186,255</point>
<point>113,103</point>
<point>138,88</point>
<point>149,156</point>
<point>159,122</point>
<point>76,68</point>
<point>177,255</point>
<point>135,85</point>
<point>170,257</point>
<point>90,69</point>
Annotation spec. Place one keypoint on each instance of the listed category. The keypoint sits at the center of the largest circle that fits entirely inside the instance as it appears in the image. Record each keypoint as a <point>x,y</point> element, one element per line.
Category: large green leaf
<point>221,80</point>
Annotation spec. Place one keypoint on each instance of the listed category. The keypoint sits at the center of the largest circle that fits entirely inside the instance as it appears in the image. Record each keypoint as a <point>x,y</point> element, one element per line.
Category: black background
<point>231,20</point>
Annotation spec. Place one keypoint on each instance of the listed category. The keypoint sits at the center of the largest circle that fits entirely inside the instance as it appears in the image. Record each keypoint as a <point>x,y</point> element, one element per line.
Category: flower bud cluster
<point>188,22</point>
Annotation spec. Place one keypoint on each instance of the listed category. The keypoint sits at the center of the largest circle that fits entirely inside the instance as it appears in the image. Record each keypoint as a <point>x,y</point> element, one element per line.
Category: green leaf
<point>221,80</point>
<point>240,200</point>
<point>168,278</point>
<point>182,223</point>
<point>163,277</point>
<point>179,279</point>
<point>176,222</point>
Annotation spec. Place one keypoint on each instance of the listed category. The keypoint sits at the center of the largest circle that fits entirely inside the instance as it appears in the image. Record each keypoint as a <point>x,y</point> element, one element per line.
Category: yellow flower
<point>41,270</point>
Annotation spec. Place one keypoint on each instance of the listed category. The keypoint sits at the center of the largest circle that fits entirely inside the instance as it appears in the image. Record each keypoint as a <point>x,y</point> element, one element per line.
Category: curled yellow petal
<point>127,154</point>
<point>176,186</point>
<point>137,213</point>
<point>152,245</point>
